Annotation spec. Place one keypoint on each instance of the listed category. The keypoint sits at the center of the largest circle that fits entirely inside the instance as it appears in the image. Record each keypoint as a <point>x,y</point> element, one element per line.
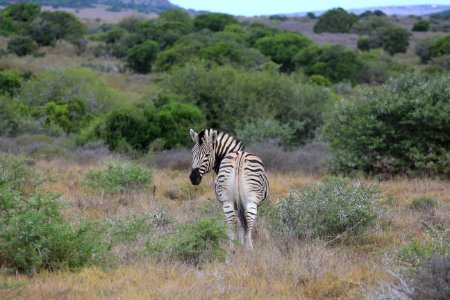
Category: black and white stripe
<point>241,184</point>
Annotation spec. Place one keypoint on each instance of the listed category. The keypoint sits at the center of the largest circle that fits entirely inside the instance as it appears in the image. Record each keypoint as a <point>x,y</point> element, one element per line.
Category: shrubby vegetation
<point>118,177</point>
<point>433,47</point>
<point>335,20</point>
<point>227,96</point>
<point>197,243</point>
<point>34,234</point>
<point>379,133</point>
<point>327,210</point>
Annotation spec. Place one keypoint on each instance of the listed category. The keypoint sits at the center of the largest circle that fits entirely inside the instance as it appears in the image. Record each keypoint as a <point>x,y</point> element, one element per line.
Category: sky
<point>270,7</point>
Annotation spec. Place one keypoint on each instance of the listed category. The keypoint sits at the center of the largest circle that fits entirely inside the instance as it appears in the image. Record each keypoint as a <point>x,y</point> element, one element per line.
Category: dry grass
<point>278,269</point>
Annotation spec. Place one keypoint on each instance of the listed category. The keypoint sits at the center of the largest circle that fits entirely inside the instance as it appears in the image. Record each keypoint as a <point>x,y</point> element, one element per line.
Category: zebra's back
<point>242,175</point>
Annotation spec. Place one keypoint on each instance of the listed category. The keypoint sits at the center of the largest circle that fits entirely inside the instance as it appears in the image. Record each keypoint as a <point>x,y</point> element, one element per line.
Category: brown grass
<point>278,269</point>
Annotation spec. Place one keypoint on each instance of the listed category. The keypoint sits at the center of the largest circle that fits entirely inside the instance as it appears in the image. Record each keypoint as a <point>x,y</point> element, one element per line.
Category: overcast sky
<point>267,7</point>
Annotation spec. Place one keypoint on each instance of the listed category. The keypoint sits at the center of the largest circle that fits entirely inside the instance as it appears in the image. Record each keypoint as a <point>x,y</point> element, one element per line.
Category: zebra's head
<point>203,155</point>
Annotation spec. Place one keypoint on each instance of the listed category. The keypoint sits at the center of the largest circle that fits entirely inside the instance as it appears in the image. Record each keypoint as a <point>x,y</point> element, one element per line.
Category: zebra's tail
<point>240,200</point>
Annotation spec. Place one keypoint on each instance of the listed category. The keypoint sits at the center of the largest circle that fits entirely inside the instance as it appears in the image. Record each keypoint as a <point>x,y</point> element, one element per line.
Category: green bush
<point>262,130</point>
<point>400,128</point>
<point>15,18</point>
<point>391,38</point>
<point>15,172</point>
<point>432,47</point>
<point>52,26</point>
<point>335,20</point>
<point>22,45</point>
<point>34,233</point>
<point>141,57</point>
<point>333,62</point>
<point>364,44</point>
<point>58,102</point>
<point>370,24</point>
<point>213,21</point>
<point>10,82</point>
<point>421,25</point>
<point>214,48</point>
<point>138,126</point>
<point>328,209</point>
<point>423,203</point>
<point>282,48</point>
<point>228,95</point>
<point>173,119</point>
<point>197,243</point>
<point>118,177</point>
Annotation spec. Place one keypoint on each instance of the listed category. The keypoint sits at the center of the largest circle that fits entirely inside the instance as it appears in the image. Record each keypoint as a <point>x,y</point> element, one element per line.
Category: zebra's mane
<point>225,143</point>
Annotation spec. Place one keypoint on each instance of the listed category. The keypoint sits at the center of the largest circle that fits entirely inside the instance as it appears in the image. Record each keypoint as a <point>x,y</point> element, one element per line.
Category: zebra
<point>241,184</point>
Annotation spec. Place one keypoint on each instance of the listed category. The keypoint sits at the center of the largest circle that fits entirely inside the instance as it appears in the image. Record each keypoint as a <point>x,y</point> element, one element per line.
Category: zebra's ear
<point>194,135</point>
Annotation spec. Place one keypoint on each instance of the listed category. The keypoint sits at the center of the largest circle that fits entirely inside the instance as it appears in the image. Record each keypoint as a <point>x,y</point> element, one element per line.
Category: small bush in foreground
<point>196,243</point>
<point>118,177</point>
<point>328,209</point>
<point>432,281</point>
<point>424,203</point>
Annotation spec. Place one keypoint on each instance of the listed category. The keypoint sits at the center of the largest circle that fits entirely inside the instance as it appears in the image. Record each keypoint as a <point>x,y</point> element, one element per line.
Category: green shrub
<point>213,21</point>
<point>118,177</point>
<point>34,233</point>
<point>10,82</point>
<point>282,48</point>
<point>392,39</point>
<point>400,128</point>
<point>262,130</point>
<point>15,172</point>
<point>197,243</point>
<point>423,203</point>
<point>138,126</point>
<point>415,252</point>
<point>319,80</point>
<point>364,44</point>
<point>335,20</point>
<point>35,236</point>
<point>141,57</point>
<point>333,62</point>
<point>228,95</point>
<point>368,25</point>
<point>432,281</point>
<point>22,45</point>
<point>328,209</point>
<point>421,25</point>
<point>173,119</point>
<point>52,26</point>
<point>432,47</point>
<point>214,48</point>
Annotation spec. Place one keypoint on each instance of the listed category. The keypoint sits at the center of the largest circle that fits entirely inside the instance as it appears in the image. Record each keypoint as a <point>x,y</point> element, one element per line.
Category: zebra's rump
<point>242,172</point>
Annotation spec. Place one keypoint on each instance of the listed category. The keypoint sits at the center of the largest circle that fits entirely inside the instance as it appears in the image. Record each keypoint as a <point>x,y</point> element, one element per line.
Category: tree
<point>283,47</point>
<point>213,21</point>
<point>333,62</point>
<point>22,45</point>
<point>400,128</point>
<point>433,46</point>
<point>141,57</point>
<point>336,20</point>
<point>50,27</point>
<point>392,39</point>
<point>421,25</point>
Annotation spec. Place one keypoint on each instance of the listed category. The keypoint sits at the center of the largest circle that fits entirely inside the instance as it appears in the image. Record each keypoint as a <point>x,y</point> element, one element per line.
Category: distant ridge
<point>403,10</point>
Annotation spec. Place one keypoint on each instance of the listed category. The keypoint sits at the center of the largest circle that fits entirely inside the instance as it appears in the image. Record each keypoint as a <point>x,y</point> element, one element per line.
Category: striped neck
<point>225,144</point>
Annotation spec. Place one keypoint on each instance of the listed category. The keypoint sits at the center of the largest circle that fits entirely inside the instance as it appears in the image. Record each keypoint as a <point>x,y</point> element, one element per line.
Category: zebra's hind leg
<point>250,215</point>
<point>230,215</point>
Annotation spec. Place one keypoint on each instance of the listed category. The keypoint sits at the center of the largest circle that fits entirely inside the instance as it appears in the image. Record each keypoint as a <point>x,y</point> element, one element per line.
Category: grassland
<point>353,268</point>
